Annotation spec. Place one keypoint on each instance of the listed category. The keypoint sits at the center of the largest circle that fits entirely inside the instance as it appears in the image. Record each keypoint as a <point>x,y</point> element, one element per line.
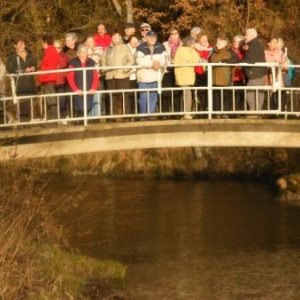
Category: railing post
<point>84,97</point>
<point>13,89</point>
<point>209,90</point>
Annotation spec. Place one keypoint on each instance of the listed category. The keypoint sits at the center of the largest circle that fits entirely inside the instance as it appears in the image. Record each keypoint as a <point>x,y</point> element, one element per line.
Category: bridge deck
<point>65,140</point>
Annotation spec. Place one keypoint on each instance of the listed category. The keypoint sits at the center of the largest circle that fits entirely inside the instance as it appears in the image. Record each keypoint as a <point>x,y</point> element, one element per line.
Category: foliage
<point>229,17</point>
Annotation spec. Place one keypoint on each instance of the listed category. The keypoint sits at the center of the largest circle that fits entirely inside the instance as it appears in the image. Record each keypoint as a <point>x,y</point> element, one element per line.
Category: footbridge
<point>66,140</point>
<point>53,125</point>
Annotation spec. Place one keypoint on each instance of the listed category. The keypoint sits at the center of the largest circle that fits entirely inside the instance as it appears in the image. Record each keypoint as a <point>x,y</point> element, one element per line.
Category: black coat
<point>25,85</point>
<point>255,54</point>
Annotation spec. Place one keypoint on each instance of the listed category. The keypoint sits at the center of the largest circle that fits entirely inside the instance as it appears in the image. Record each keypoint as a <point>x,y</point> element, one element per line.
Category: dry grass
<point>34,261</point>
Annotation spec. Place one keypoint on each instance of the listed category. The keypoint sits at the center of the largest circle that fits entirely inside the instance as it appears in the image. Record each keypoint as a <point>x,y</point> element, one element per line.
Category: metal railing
<point>171,101</point>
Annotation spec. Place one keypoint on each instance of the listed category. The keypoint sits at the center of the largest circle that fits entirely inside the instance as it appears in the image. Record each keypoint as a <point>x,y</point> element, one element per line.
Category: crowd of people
<point>153,76</point>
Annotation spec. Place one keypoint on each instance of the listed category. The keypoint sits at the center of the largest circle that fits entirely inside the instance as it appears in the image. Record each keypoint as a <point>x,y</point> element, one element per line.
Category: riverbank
<point>36,261</point>
<point>35,247</point>
<point>278,167</point>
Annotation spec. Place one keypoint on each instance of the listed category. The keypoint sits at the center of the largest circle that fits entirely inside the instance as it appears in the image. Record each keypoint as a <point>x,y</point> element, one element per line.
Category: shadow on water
<point>190,239</point>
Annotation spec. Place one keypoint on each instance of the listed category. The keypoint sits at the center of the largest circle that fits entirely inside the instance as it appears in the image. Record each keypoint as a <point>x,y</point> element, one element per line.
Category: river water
<point>189,239</point>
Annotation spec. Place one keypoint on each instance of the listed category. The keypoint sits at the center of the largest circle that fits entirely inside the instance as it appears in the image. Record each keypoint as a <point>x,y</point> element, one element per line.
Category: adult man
<point>151,57</point>
<point>145,27</point>
<point>129,30</point>
<point>255,75</point>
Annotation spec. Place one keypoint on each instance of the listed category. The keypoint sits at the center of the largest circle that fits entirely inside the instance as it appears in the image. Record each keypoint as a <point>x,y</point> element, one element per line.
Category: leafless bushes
<point>34,263</point>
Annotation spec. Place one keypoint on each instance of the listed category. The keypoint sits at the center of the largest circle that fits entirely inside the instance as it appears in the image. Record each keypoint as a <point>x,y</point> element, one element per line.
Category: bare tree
<point>118,7</point>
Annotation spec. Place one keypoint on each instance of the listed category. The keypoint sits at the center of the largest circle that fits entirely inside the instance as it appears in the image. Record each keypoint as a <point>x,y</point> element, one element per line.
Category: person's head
<point>238,41</point>
<point>47,40</point>
<point>129,29</point>
<point>222,42</point>
<point>133,41</point>
<point>188,41</point>
<point>89,42</point>
<point>82,52</point>
<point>194,31</point>
<point>144,28</point>
<point>202,39</point>
<point>116,38</point>
<point>273,44</point>
<point>58,45</point>
<point>71,40</point>
<point>151,38</point>
<point>174,34</point>
<point>101,28</point>
<point>19,43</point>
<point>251,34</point>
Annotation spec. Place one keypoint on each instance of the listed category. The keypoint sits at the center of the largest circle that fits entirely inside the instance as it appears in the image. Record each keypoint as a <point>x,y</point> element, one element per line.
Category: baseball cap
<point>151,33</point>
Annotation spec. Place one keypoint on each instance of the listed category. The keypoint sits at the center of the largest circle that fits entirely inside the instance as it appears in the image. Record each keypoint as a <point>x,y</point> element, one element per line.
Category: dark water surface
<point>190,239</point>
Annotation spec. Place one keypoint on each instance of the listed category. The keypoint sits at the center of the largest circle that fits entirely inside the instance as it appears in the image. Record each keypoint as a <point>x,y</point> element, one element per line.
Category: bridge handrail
<point>209,88</point>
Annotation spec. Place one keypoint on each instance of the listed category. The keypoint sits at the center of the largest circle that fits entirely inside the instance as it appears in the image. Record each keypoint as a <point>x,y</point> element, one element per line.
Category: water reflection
<point>189,239</point>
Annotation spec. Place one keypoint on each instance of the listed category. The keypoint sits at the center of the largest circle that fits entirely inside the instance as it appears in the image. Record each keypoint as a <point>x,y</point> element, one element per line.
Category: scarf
<point>173,46</point>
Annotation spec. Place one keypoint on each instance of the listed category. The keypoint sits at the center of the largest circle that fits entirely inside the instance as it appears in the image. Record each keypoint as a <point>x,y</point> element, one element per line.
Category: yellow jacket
<point>185,76</point>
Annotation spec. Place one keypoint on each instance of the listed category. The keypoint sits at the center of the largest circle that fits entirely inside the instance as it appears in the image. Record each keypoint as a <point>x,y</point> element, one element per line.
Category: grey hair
<point>81,47</point>
<point>195,30</point>
<point>72,35</point>
<point>252,31</point>
<point>238,38</point>
<point>188,41</point>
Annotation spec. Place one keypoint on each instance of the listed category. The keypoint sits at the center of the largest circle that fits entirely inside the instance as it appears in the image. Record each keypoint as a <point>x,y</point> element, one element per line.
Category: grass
<point>35,260</point>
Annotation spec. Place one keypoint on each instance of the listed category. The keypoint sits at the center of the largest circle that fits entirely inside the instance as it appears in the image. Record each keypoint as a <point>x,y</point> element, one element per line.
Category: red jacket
<point>49,62</point>
<point>62,64</point>
<point>102,41</point>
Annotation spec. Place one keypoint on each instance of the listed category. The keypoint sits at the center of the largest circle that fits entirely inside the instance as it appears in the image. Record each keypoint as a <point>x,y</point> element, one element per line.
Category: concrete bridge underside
<point>66,140</point>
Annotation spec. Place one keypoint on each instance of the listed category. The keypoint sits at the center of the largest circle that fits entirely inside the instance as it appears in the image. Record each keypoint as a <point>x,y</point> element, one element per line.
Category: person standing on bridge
<point>48,81</point>
<point>151,57</point>
<point>76,80</point>
<point>185,76</point>
<point>256,75</point>
<point>118,54</point>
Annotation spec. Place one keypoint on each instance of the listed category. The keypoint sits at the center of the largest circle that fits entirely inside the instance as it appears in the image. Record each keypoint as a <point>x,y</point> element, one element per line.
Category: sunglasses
<point>58,47</point>
<point>145,29</point>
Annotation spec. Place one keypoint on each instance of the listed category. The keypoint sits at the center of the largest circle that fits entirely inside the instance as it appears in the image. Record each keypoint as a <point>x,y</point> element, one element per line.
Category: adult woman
<point>76,80</point>
<point>94,53</point>
<point>48,81</point>
<point>21,61</point>
<point>118,54</point>
<point>222,76</point>
<point>168,97</point>
<point>60,86</point>
<point>185,76</point>
<point>204,49</point>
<point>133,43</point>
<point>275,55</point>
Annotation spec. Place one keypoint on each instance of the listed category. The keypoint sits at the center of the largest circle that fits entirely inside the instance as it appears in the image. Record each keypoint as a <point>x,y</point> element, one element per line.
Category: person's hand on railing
<point>156,65</point>
<point>92,91</point>
<point>30,69</point>
<point>79,92</point>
